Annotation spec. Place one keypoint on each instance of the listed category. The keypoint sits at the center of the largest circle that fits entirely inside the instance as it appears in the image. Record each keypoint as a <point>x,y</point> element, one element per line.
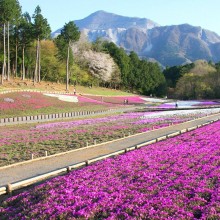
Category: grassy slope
<point>17,84</point>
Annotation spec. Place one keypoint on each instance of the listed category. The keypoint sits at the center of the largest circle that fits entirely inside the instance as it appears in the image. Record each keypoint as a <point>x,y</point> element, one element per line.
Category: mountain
<point>179,44</point>
<point>169,45</point>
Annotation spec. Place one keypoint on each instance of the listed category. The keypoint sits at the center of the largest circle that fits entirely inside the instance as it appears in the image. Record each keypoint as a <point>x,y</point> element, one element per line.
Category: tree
<point>10,11</point>
<point>69,34</point>
<point>52,70</point>
<point>186,87</point>
<point>41,31</point>
<point>174,73</point>
<point>135,72</point>
<point>122,60</point>
<point>25,35</point>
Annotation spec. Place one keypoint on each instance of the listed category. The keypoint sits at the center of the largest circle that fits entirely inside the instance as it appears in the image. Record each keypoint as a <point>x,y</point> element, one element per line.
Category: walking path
<point>19,172</point>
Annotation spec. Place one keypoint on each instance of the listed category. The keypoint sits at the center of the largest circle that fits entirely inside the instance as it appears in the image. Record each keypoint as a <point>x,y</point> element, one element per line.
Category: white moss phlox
<point>66,98</point>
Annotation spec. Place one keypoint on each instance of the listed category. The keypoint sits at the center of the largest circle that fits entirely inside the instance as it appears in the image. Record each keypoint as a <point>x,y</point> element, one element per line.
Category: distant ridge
<point>169,45</point>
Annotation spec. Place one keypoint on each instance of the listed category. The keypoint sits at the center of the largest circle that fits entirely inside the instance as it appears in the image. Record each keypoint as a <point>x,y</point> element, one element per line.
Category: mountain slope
<point>178,44</point>
<point>169,45</point>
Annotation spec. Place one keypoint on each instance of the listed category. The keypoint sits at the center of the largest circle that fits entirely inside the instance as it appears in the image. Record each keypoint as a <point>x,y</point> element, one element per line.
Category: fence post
<point>9,189</point>
<point>68,169</point>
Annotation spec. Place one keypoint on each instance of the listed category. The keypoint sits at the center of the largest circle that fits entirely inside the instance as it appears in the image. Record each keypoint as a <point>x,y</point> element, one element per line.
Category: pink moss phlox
<point>174,179</point>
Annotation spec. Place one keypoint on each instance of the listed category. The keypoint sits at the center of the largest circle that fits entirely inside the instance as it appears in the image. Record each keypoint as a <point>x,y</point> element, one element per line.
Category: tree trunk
<point>9,69</point>
<point>67,68</point>
<point>36,64</point>
<point>16,59</point>
<point>23,67</point>
<point>4,61</point>
<point>39,57</point>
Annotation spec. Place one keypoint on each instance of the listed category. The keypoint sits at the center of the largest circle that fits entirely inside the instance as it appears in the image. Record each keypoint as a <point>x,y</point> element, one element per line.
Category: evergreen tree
<point>69,34</point>
<point>41,31</point>
<point>25,37</point>
<point>121,59</point>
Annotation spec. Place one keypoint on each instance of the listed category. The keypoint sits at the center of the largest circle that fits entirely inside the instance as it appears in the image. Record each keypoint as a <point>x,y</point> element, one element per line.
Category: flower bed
<point>118,99</point>
<point>189,104</point>
<point>178,178</point>
<point>17,143</point>
<point>33,103</point>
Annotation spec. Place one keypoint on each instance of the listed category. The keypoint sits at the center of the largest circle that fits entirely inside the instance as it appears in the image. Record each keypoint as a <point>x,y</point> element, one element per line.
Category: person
<point>176,105</point>
<point>74,91</point>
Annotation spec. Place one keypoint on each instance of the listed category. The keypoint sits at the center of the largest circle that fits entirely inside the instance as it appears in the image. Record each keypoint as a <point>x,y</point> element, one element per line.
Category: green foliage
<point>120,58</point>
<point>202,67</point>
<point>192,86</point>
<point>41,27</point>
<point>137,75</point>
<point>217,66</point>
<point>98,46</point>
<point>173,74</point>
<point>62,49</point>
<point>198,80</point>
<point>25,30</point>
<point>70,33</point>
<point>10,10</point>
<point>52,69</point>
<point>78,76</point>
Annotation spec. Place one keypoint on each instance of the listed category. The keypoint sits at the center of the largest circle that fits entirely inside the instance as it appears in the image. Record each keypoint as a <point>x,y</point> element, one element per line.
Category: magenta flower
<point>178,178</point>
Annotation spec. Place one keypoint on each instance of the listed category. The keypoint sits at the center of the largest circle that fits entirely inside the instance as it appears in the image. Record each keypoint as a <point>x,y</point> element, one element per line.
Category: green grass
<point>100,91</point>
<point>50,110</point>
<point>18,84</point>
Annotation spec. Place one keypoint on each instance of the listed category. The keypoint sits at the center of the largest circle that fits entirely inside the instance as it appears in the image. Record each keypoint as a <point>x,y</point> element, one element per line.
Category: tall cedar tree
<point>69,34</point>
<point>41,31</point>
<point>25,35</point>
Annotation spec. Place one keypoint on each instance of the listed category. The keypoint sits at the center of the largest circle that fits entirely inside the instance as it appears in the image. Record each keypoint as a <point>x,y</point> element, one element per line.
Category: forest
<point>198,80</point>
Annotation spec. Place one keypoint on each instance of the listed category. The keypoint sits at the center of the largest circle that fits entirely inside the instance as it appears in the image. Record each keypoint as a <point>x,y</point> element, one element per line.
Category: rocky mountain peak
<point>102,20</point>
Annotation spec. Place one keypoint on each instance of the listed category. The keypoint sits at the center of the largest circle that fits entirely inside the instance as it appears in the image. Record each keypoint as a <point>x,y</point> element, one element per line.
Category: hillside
<point>18,84</point>
<point>21,98</point>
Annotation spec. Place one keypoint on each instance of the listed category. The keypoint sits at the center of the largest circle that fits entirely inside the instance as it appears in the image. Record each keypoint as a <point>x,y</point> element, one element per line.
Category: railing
<point>48,117</point>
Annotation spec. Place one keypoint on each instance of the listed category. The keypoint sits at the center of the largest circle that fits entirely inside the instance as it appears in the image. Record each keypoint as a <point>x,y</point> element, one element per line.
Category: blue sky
<point>204,13</point>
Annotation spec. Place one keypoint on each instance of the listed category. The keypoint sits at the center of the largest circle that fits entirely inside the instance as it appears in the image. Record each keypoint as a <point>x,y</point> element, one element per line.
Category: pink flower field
<point>32,103</point>
<point>118,99</point>
<point>17,143</point>
<point>177,179</point>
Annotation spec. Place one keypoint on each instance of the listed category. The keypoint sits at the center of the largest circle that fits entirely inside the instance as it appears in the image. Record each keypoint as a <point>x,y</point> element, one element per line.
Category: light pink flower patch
<point>118,99</point>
